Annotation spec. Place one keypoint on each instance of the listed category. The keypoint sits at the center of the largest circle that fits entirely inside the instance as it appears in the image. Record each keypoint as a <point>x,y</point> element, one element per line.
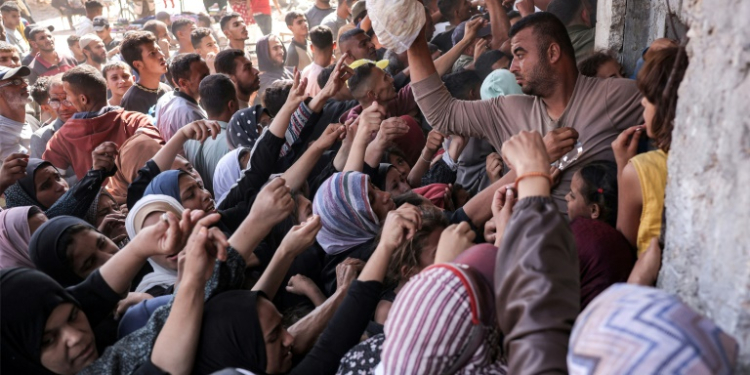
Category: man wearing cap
<point>467,55</point>
<point>47,61</point>
<point>15,131</point>
<point>101,26</point>
<point>94,50</point>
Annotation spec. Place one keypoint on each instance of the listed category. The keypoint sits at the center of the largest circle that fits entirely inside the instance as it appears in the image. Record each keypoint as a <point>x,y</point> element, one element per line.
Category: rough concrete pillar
<point>706,259</point>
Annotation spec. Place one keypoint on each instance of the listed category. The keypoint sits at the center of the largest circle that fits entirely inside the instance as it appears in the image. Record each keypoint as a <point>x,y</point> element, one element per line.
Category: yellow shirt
<point>652,175</point>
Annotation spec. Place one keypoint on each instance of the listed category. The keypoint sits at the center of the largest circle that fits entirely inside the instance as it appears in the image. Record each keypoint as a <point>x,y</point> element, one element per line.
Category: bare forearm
<point>119,271</point>
<point>175,347</point>
<point>307,330</point>
<point>356,159</point>
<point>248,236</point>
<point>272,277</point>
<point>500,24</point>
<point>418,171</point>
<point>479,207</point>
<point>318,102</point>
<point>377,264</point>
<point>444,63</point>
<point>281,121</point>
<point>374,154</point>
<point>420,59</point>
<point>165,157</point>
<point>297,174</point>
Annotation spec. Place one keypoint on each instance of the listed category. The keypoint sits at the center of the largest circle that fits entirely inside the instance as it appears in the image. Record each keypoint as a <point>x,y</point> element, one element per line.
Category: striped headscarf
<point>630,329</point>
<point>429,325</point>
<point>344,209</point>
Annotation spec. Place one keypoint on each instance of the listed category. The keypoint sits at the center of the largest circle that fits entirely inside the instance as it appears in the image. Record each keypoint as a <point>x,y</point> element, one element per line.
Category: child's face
<point>119,80</point>
<point>208,45</point>
<point>577,206</point>
<point>299,26</point>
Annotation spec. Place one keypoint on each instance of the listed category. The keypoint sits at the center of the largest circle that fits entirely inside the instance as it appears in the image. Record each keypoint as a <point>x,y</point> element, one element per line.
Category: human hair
<point>447,7</point>
<point>112,66</point>
<point>198,34</point>
<point>225,61</point>
<point>180,66</point>
<point>361,75</point>
<point>130,48</point>
<point>321,37</point>
<point>10,6</point>
<point>36,30</point>
<point>325,74</point>
<point>599,186</point>
<point>87,80</point>
<point>566,10</point>
<point>350,35</point>
<point>162,16</point>
<point>433,47</point>
<point>658,81</point>
<point>394,64</point>
<point>275,96</point>
<point>216,91</point>
<point>93,5</point>
<point>405,259</point>
<point>547,29</point>
<point>291,16</point>
<point>409,197</point>
<point>461,83</point>
<point>484,63</point>
<point>7,47</point>
<point>393,150</point>
<point>40,90</point>
<point>178,24</point>
<point>33,211</point>
<point>204,18</point>
<point>68,236</point>
<point>513,14</point>
<point>151,26</point>
<point>227,19</point>
<point>73,40</point>
<point>591,63</point>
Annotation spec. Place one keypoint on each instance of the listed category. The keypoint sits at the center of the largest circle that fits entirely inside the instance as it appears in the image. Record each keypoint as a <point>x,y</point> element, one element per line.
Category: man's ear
<point>553,53</point>
<point>138,65</point>
<point>312,48</point>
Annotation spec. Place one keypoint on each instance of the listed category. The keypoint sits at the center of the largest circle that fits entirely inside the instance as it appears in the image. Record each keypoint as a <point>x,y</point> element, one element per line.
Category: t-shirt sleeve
<point>292,58</point>
<point>55,155</point>
<point>623,103</point>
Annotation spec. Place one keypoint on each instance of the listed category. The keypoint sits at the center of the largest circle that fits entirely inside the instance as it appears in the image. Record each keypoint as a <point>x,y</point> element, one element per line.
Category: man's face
<point>361,47</point>
<point>245,76</point>
<point>463,11</point>
<point>97,52</point>
<point>15,95</point>
<point>532,70</point>
<point>11,59</point>
<point>382,86</point>
<point>119,80</point>
<point>75,99</point>
<point>57,101</point>
<point>104,34</point>
<point>75,48</point>
<point>299,27</point>
<point>183,35</point>
<point>152,60</point>
<point>276,51</point>
<point>208,45</point>
<point>11,19</point>
<point>44,41</point>
<point>198,71</point>
<point>236,29</point>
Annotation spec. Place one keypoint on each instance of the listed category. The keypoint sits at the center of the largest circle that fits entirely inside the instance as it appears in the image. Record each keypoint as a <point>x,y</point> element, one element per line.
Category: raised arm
<point>198,130</point>
<point>434,142</point>
<point>369,122</point>
<point>500,24</point>
<point>297,174</point>
<point>444,63</point>
<point>390,130</point>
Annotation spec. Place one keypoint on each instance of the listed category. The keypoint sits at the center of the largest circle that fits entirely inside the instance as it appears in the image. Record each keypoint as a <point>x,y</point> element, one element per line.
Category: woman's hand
<point>400,226</point>
<point>390,130</point>
<point>646,269</point>
<point>347,271</point>
<point>625,146</point>
<point>203,248</point>
<point>502,210</point>
<point>111,225</point>
<point>527,155</point>
<point>494,167</point>
<point>301,236</point>
<point>274,203</point>
<point>131,300</point>
<point>13,169</point>
<point>200,130</point>
<point>297,93</point>
<point>453,241</point>
<point>434,142</point>
<point>104,156</point>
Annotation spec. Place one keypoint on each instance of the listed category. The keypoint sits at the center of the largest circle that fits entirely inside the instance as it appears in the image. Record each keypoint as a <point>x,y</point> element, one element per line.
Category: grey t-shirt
<point>334,22</point>
<point>315,15</point>
<point>141,99</point>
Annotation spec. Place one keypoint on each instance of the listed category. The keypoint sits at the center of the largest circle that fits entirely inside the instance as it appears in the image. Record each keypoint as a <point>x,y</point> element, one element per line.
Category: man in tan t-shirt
<point>560,101</point>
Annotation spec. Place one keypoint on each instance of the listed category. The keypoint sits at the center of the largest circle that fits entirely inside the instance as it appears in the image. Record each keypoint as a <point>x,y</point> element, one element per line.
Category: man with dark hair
<point>489,61</point>
<point>93,124</point>
<point>11,14</point>
<point>299,55</point>
<point>370,84</point>
<point>94,50</point>
<point>182,29</point>
<point>338,18</point>
<point>180,107</point>
<point>93,9</point>
<point>47,62</point>
<point>463,85</point>
<point>104,32</point>
<point>455,12</point>
<point>513,17</point>
<point>234,28</point>
<point>75,49</point>
<point>140,51</point>
<point>318,12</point>
<point>219,99</point>
<point>321,39</point>
<point>358,45</point>
<point>161,32</point>
<point>561,102</point>
<point>62,110</point>
<point>205,44</point>
<point>235,64</point>
<point>577,20</point>
<point>9,56</point>
<point>275,96</point>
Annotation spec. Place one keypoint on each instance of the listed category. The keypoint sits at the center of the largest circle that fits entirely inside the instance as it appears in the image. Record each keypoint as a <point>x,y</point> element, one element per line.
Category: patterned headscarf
<point>242,130</point>
<point>630,329</point>
<point>344,208</point>
<point>428,326</point>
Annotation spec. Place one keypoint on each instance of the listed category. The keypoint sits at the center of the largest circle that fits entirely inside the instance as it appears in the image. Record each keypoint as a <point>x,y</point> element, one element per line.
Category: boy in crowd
<point>323,45</point>
<point>205,45</point>
<point>298,56</point>
<point>181,29</point>
<point>9,56</point>
<point>234,28</point>
<point>11,14</point>
<point>75,49</point>
<point>140,51</point>
<point>180,108</point>
<point>119,79</point>
<point>93,9</point>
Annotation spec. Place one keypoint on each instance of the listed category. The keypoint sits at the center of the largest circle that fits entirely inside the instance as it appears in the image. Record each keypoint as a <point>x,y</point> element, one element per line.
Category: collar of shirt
<point>92,114</point>
<point>185,96</point>
<point>11,123</point>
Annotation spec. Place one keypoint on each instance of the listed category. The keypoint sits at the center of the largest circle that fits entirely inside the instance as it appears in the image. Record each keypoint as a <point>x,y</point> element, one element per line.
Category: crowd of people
<point>488,199</point>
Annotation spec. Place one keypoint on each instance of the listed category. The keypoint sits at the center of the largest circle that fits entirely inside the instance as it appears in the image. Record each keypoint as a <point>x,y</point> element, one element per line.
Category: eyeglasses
<point>55,103</point>
<point>16,82</point>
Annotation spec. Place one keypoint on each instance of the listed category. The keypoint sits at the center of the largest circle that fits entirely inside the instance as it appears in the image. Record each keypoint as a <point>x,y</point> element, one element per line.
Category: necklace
<point>146,89</point>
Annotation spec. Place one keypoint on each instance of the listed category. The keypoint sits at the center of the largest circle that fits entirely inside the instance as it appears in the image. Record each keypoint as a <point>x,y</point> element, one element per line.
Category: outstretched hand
<point>453,241</point>
<point>200,130</point>
<point>203,248</point>
<point>400,226</point>
<point>297,93</point>
<point>273,203</point>
<point>301,236</point>
<point>13,169</point>
<point>104,156</point>
<point>502,210</point>
<point>336,82</point>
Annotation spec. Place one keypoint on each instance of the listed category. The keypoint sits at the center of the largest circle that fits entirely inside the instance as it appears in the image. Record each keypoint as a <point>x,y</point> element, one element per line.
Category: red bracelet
<point>532,174</point>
